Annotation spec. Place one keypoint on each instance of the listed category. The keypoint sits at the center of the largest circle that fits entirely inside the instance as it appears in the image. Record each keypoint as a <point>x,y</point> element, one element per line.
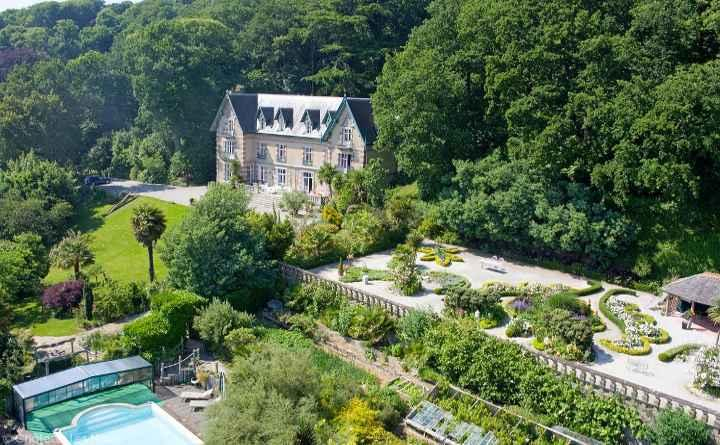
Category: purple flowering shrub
<point>63,296</point>
<point>521,304</point>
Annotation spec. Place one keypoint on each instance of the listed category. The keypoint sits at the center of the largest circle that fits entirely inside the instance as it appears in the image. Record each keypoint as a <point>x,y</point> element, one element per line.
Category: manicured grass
<point>114,246</point>
<point>354,274</point>
<point>30,315</point>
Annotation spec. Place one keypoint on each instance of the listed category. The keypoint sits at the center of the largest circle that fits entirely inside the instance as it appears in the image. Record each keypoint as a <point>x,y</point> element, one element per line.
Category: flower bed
<point>630,345</point>
<point>631,320</point>
<point>707,370</point>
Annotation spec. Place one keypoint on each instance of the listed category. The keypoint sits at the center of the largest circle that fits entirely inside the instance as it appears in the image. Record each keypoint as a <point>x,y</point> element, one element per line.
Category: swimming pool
<point>123,424</point>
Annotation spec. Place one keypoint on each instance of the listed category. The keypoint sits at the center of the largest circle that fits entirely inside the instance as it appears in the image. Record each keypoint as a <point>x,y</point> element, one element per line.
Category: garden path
<point>108,328</point>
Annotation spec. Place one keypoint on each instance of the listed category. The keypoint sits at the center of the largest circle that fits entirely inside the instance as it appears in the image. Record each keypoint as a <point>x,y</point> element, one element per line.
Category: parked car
<point>91,181</point>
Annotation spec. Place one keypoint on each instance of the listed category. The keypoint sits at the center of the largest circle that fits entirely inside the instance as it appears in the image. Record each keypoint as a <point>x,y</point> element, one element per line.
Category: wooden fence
<point>598,380</point>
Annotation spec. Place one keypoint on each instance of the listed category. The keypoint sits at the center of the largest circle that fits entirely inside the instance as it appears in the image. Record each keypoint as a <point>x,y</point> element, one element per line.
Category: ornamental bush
<point>113,300</point>
<point>63,296</point>
<point>681,351</point>
<point>707,370</point>
<point>675,427</point>
<point>470,300</point>
<point>217,320</point>
<point>415,324</point>
<point>403,270</point>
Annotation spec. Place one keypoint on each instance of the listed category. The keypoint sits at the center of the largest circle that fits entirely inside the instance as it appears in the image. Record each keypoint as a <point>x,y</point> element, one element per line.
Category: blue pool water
<point>119,425</point>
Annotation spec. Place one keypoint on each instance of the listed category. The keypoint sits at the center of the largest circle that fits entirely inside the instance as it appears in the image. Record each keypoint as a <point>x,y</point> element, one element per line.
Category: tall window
<point>262,151</point>
<point>344,160</point>
<point>282,153</point>
<point>281,176</point>
<point>262,174</point>
<point>230,127</point>
<point>308,182</point>
<point>307,156</point>
<point>229,146</point>
<point>308,125</point>
<point>226,171</point>
<point>347,135</point>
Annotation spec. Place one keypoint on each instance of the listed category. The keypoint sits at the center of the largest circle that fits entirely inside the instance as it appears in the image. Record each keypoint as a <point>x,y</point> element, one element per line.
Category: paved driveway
<point>178,195</point>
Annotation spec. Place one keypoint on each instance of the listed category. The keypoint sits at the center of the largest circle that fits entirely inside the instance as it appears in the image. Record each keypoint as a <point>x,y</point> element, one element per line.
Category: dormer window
<point>311,120</point>
<point>284,116</point>
<point>264,117</point>
<point>308,125</point>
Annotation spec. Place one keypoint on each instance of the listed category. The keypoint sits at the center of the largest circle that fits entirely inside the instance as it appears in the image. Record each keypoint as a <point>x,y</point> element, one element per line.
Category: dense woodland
<point>579,132</point>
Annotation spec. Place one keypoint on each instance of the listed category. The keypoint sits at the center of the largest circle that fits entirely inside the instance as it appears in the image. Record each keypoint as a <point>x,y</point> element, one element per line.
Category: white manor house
<point>280,141</point>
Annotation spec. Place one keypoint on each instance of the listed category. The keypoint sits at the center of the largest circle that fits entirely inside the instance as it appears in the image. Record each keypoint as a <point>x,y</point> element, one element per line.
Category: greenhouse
<point>78,381</point>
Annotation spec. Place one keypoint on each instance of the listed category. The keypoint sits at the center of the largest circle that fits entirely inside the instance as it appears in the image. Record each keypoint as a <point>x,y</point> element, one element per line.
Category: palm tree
<point>714,316</point>
<point>148,224</point>
<point>73,251</point>
<point>327,174</point>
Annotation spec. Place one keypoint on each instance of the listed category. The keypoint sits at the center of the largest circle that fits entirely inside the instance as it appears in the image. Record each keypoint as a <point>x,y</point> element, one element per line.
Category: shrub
<point>150,334</point>
<point>518,328</point>
<point>302,323</point>
<point>358,423</point>
<point>675,427</point>
<point>313,298</point>
<point>216,321</point>
<point>279,235</point>
<point>678,351</point>
<point>63,296</point>
<point>238,340</point>
<point>372,324</point>
<point>569,302</point>
<point>570,336</point>
<point>330,215</point>
<point>471,300</point>
<point>415,324</point>
<point>404,271</point>
<point>113,300</point>
<point>179,307</point>
<point>314,246</point>
<point>707,370</point>
<point>293,202</point>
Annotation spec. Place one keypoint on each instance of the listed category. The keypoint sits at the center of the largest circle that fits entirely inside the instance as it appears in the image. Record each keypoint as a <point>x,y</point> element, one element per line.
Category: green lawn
<point>114,246</point>
<point>29,315</point>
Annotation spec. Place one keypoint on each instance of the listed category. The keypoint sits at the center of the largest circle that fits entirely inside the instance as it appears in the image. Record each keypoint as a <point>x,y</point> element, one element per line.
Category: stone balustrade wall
<point>597,380</point>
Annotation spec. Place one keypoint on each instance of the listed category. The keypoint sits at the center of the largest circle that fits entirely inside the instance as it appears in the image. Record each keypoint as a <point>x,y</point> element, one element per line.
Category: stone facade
<point>288,155</point>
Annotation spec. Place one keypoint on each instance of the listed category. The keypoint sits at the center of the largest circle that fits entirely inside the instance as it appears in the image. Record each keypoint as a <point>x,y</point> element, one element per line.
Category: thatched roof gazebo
<point>700,291</point>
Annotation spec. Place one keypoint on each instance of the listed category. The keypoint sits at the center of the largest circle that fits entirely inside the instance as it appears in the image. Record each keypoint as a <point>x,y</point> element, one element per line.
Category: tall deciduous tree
<point>148,225</point>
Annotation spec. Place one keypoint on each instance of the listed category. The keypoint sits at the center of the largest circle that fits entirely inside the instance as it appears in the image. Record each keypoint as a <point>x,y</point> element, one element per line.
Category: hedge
<point>644,350</point>
<point>672,353</point>
<point>595,287</point>
<point>662,339</point>
<point>606,310</point>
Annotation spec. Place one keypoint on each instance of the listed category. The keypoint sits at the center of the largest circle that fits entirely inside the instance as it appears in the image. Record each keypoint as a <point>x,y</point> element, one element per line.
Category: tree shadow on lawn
<point>29,314</point>
<point>89,212</point>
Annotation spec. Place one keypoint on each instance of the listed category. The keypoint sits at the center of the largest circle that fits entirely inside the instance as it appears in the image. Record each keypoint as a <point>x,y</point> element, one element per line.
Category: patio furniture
<point>196,395</point>
<point>201,404</point>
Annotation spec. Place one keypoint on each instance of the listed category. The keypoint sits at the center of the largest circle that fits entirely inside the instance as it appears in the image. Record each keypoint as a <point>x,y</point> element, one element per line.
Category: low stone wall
<point>597,380</point>
<point>295,274</point>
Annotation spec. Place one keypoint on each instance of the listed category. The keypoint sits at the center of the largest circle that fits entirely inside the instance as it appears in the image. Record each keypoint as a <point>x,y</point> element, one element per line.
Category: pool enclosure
<point>79,381</point>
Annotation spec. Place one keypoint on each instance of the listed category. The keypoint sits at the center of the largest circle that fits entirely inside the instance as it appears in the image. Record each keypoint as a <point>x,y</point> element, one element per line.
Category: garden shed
<point>695,293</point>
<point>79,381</point>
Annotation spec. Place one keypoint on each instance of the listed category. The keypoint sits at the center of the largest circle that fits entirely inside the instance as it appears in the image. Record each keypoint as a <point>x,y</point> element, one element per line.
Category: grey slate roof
<point>246,107</point>
<point>703,288</point>
<point>294,108</point>
<point>361,109</point>
<point>77,374</point>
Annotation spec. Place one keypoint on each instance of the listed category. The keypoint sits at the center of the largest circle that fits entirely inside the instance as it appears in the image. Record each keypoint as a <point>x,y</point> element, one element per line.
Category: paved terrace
<point>672,378</point>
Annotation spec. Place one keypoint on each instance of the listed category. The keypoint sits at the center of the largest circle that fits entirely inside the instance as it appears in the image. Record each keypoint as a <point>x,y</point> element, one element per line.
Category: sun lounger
<point>195,395</point>
<point>201,404</point>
